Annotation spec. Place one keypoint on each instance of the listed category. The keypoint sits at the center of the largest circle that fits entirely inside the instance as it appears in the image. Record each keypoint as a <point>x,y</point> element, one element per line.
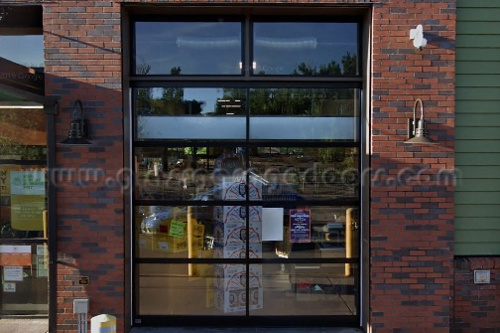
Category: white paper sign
<point>42,266</point>
<point>41,250</point>
<point>13,273</point>
<point>272,224</point>
<point>15,249</point>
<point>9,287</point>
<point>27,183</point>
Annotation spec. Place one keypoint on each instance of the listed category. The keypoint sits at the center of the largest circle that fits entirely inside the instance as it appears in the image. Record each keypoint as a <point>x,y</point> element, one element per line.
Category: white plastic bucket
<point>103,323</point>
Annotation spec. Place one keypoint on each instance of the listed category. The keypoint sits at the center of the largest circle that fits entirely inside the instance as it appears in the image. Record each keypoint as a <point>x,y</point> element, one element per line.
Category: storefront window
<point>309,49</point>
<point>247,188</point>
<point>307,114</point>
<point>220,113</point>
<point>26,50</point>
<point>174,113</point>
<point>187,48</point>
<point>23,223</point>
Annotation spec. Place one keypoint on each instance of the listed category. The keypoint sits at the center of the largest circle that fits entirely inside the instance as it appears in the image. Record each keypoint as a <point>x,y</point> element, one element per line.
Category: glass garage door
<point>246,192</point>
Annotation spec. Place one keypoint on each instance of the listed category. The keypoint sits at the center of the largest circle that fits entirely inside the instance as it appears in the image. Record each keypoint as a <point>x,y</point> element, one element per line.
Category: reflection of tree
<point>171,101</point>
<point>22,133</point>
<point>302,101</point>
<point>144,97</point>
<point>350,64</point>
<point>173,95</point>
<point>349,68</point>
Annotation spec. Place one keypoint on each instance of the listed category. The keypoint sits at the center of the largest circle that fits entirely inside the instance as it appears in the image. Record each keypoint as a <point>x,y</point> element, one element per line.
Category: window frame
<point>247,80</point>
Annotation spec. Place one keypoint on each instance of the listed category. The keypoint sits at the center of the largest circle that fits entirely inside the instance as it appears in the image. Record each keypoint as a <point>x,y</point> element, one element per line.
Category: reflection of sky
<point>209,96</point>
<point>215,47</point>
<point>159,45</point>
<point>24,50</point>
<point>321,43</point>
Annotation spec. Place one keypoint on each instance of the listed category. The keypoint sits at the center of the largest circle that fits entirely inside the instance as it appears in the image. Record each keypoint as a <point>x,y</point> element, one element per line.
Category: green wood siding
<point>477,128</point>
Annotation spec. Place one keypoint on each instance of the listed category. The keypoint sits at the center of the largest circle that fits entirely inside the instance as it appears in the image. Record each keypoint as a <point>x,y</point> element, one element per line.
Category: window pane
<point>23,134</point>
<point>191,289</point>
<point>295,173</point>
<point>205,289</point>
<point>306,290</point>
<point>309,49</point>
<point>175,232</point>
<point>310,232</point>
<point>23,149</point>
<point>185,173</point>
<point>190,113</point>
<point>307,114</point>
<point>187,48</point>
<point>198,232</point>
<point>24,50</point>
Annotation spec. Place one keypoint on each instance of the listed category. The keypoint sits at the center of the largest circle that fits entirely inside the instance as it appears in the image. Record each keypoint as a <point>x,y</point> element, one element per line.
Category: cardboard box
<point>198,230</point>
<point>237,251</point>
<point>171,244</point>
<point>235,300</point>
<point>235,233</point>
<point>232,277</point>
<point>233,188</point>
<point>229,301</point>
<point>235,214</point>
<point>147,242</point>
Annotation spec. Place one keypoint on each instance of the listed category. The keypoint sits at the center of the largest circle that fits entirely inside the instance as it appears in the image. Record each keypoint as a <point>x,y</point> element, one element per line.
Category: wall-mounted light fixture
<point>78,128</point>
<point>417,133</point>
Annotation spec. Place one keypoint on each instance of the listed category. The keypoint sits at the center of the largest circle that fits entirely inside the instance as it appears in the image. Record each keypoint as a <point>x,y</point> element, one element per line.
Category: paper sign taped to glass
<point>27,189</point>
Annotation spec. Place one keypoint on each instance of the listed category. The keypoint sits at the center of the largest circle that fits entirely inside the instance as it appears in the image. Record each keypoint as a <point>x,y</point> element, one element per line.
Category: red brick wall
<point>83,61</point>
<point>411,215</point>
<point>476,307</point>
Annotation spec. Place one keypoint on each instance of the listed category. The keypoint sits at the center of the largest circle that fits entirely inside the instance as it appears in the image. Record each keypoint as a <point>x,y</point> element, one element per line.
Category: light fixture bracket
<point>78,129</point>
<point>416,130</point>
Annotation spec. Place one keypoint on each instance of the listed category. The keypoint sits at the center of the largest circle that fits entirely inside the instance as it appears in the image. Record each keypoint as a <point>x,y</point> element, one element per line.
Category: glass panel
<point>23,134</point>
<point>295,173</point>
<point>198,232</point>
<point>306,290</point>
<point>310,49</point>
<point>190,113</point>
<point>314,114</point>
<point>185,173</point>
<point>311,232</point>
<point>208,173</point>
<point>204,289</point>
<point>24,269</point>
<point>24,50</point>
<point>22,172</point>
<point>187,48</point>
<point>23,223</point>
<point>191,289</point>
<point>174,232</point>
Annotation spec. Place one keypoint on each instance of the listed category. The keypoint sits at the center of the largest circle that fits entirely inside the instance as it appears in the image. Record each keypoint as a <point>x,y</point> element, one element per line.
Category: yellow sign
<point>5,179</point>
<point>177,229</point>
<point>27,212</point>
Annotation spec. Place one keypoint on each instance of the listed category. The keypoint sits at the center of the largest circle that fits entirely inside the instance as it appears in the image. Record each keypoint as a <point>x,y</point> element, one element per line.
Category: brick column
<point>411,215</point>
<point>83,61</point>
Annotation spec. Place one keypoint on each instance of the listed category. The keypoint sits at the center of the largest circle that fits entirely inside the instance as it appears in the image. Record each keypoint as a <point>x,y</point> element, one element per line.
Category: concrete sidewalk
<point>24,325</point>
<point>40,325</point>
<point>244,330</point>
